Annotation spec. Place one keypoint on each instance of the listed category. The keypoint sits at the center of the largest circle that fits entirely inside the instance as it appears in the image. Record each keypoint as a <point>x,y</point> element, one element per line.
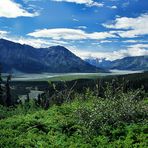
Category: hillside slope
<point>127,63</point>
<point>131,63</point>
<point>55,59</point>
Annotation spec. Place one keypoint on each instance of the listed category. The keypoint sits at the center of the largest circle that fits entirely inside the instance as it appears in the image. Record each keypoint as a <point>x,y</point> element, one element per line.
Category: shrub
<point>117,120</point>
<point>122,108</point>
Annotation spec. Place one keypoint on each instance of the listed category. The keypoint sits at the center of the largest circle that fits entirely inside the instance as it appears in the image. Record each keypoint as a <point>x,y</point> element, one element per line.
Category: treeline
<point>59,92</point>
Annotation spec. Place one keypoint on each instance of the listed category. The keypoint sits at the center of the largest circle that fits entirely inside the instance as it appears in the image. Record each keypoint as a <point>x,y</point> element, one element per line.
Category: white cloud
<point>112,7</point>
<point>89,3</point>
<point>135,41</point>
<point>138,46</point>
<point>106,41</point>
<point>70,34</point>
<point>134,27</point>
<point>133,50</point>
<point>11,9</point>
<point>82,27</point>
<point>37,43</point>
<point>75,20</point>
<point>130,41</point>
<point>3,33</point>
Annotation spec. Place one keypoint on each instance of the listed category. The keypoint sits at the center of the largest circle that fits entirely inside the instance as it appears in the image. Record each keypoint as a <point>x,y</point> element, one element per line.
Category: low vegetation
<point>118,119</point>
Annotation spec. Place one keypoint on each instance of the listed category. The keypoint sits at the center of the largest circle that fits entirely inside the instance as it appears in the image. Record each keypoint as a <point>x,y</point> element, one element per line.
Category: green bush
<point>87,121</point>
<point>123,108</point>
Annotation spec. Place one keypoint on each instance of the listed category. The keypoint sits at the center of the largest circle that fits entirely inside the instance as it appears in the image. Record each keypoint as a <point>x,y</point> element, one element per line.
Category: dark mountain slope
<point>127,63</point>
<point>55,59</point>
<point>131,63</point>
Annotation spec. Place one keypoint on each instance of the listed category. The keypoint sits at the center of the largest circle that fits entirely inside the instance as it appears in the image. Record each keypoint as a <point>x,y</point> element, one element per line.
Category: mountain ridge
<point>126,63</point>
<point>27,59</point>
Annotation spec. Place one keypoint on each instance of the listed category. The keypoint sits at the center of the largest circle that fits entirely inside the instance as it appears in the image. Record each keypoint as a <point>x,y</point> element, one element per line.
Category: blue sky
<point>109,29</point>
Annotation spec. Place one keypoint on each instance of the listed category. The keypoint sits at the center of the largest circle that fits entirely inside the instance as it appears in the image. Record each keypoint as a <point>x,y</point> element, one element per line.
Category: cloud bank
<point>70,34</point>
<point>132,50</point>
<point>3,33</point>
<point>89,3</point>
<point>11,9</point>
<point>133,27</point>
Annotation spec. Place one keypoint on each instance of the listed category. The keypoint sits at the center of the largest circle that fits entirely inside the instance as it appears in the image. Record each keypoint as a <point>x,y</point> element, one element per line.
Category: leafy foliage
<point>88,121</point>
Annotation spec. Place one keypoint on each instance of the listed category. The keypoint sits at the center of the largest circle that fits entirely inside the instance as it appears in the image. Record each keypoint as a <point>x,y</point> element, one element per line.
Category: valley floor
<point>67,76</point>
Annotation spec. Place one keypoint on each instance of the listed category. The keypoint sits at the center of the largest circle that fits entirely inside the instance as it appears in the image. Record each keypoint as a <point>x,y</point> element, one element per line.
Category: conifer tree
<point>1,90</point>
<point>8,92</point>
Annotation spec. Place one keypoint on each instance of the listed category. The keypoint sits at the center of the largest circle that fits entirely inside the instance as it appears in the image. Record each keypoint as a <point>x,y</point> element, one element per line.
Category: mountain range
<point>15,57</point>
<point>127,63</point>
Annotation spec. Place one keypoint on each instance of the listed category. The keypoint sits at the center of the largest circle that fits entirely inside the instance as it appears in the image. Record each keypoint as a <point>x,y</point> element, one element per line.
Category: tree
<point>1,90</point>
<point>8,92</point>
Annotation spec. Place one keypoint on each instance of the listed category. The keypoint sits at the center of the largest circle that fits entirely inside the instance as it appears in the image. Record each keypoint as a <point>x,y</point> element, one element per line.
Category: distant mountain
<point>127,63</point>
<point>56,59</point>
<point>99,62</point>
<point>131,63</point>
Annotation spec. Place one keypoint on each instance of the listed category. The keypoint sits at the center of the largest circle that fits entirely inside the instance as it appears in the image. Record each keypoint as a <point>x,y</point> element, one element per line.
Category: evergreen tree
<point>1,90</point>
<point>8,91</point>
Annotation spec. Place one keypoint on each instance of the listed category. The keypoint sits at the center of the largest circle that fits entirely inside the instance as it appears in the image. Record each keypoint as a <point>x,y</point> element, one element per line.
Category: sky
<point>110,29</point>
